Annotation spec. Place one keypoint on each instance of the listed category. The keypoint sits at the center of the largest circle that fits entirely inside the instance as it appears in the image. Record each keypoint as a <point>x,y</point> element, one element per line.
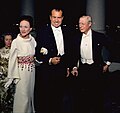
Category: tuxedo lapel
<point>97,46</point>
<point>52,39</point>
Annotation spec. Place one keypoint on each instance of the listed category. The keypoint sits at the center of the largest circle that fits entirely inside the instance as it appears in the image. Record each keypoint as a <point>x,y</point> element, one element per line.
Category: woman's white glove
<point>7,84</point>
<point>16,80</point>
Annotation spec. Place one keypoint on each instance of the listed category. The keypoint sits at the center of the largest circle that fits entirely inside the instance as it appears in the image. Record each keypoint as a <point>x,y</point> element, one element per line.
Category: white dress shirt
<point>59,39</point>
<point>86,48</point>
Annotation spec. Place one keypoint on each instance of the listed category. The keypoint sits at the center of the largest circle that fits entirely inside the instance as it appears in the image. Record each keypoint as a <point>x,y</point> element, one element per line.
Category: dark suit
<point>50,79</point>
<point>89,93</point>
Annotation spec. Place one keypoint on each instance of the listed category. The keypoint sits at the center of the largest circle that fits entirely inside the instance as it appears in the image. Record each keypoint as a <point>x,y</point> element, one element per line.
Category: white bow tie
<point>58,29</point>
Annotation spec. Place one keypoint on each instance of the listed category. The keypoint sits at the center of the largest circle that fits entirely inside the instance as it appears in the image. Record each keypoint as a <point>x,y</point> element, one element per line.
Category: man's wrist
<point>108,63</point>
<point>74,68</point>
<point>50,61</point>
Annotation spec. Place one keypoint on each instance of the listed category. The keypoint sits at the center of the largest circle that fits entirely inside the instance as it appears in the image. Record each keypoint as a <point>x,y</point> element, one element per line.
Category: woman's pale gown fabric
<point>6,95</point>
<point>4,56</point>
<point>22,68</point>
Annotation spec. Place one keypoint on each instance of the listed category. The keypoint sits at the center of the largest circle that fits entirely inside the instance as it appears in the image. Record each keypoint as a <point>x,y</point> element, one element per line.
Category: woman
<point>21,68</point>
<point>6,96</point>
<point>4,51</point>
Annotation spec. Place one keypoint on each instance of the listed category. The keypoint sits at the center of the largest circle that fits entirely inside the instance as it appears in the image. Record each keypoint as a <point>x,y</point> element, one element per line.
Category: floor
<point>112,93</point>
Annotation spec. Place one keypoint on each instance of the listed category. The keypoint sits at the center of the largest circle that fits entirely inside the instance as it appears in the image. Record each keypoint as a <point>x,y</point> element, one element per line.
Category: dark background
<point>73,9</point>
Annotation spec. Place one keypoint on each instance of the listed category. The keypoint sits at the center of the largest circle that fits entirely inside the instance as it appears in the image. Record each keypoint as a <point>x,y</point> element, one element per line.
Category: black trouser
<point>49,92</point>
<point>89,93</point>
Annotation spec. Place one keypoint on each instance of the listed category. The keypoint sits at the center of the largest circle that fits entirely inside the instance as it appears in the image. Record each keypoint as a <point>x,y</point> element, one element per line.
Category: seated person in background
<point>6,100</point>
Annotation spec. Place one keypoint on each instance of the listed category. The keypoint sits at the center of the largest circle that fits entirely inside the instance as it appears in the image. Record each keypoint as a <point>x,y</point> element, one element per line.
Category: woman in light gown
<point>6,96</point>
<point>21,68</point>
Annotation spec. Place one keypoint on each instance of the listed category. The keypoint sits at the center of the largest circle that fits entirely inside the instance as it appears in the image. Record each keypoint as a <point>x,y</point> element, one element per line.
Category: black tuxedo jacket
<point>45,38</point>
<point>99,40</point>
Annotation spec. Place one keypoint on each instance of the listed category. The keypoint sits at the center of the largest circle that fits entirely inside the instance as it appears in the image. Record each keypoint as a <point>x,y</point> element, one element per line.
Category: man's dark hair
<point>56,9</point>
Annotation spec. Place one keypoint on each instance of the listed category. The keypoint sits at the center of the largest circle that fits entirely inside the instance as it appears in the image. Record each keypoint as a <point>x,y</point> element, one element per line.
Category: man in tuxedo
<point>53,44</point>
<point>88,66</point>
